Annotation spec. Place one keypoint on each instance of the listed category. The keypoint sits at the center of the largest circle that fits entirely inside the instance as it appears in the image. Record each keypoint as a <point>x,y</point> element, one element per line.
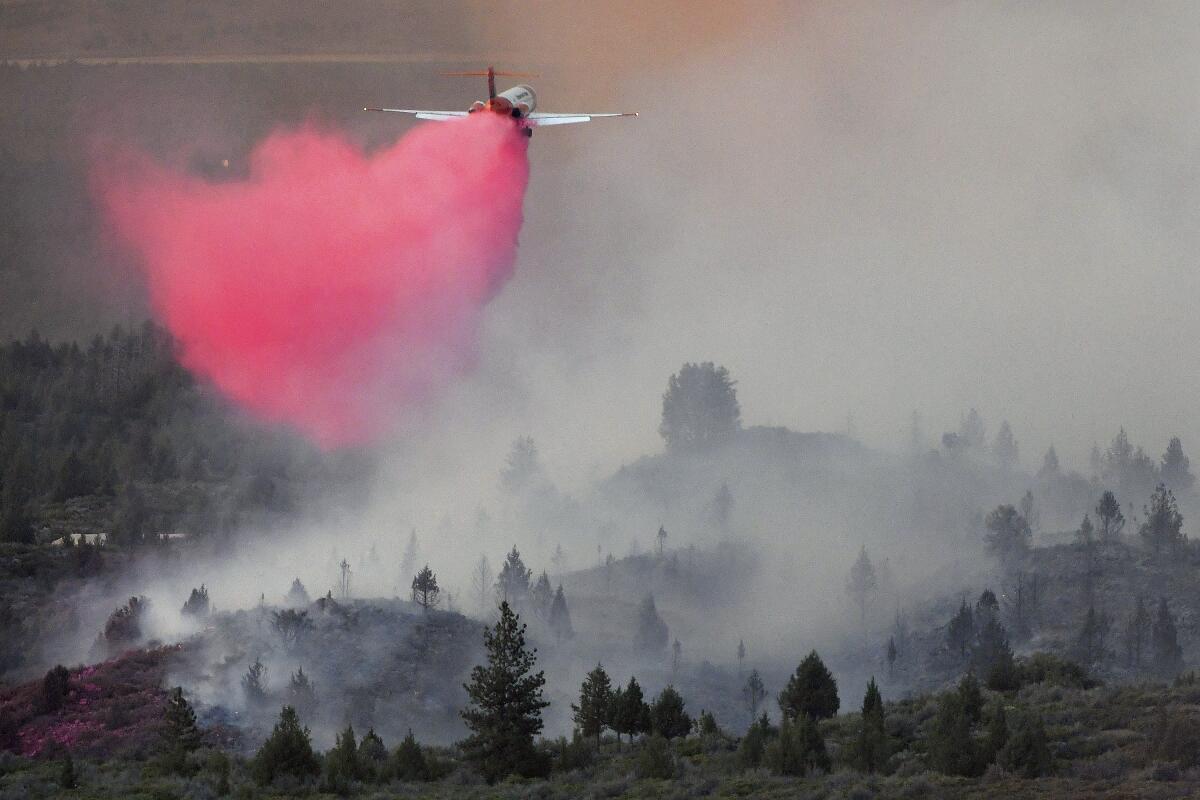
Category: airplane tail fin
<point>490,74</point>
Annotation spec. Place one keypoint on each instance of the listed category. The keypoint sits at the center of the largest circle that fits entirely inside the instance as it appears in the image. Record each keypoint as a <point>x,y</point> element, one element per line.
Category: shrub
<point>655,759</point>
<point>1054,671</point>
<point>1178,739</point>
<point>572,755</point>
<point>1027,752</point>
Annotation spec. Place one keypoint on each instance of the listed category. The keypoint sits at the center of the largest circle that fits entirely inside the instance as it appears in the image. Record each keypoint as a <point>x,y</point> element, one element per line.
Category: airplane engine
<point>478,105</point>
<point>518,101</point>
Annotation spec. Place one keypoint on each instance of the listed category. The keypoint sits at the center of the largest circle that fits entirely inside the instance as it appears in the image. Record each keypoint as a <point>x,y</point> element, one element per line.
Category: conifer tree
<point>961,630</point>
<point>871,746</point>
<point>408,763</point>
<point>287,751</point>
<point>631,715</point>
<point>505,710</point>
<point>197,603</point>
<point>811,691</point>
<point>425,588</point>
<point>1137,633</point>
<point>754,692</point>
<point>1168,655</point>
<point>254,684</point>
<point>1112,521</point>
<point>652,633</point>
<point>181,734</point>
<point>302,694</point>
<point>512,584</point>
<point>595,699</point>
<point>861,583</point>
<point>1175,469</point>
<point>667,715</point>
<point>1162,530</point>
<point>541,597</point>
<point>560,617</point>
<point>341,763</point>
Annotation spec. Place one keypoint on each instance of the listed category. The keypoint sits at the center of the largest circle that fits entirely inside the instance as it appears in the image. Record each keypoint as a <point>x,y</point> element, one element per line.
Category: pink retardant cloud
<point>331,290</point>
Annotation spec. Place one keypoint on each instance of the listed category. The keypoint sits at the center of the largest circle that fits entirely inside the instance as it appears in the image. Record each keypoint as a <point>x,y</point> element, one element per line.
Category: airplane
<point>518,102</point>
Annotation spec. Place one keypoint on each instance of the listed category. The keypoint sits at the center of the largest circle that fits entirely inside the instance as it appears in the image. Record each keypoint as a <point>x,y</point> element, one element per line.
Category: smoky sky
<point>859,209</point>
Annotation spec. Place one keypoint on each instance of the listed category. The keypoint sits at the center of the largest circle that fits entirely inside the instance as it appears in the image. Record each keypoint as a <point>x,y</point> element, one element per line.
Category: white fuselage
<point>515,102</point>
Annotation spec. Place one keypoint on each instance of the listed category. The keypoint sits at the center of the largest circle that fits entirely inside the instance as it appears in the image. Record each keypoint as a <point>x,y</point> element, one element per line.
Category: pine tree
<point>631,715</point>
<point>1091,645</point>
<point>254,684</point>
<point>560,617</point>
<point>505,710</point>
<point>541,597</point>
<point>1168,655</point>
<point>197,603</point>
<point>595,699</point>
<point>861,583</point>
<point>298,596</point>
<point>652,633</point>
<point>1162,528</point>
<point>993,657</point>
<point>741,655</point>
<point>871,746</point>
<point>409,763</point>
<point>667,715</point>
<point>1112,521</point>
<point>1175,470</point>
<point>1137,633</point>
<point>425,589</point>
<point>341,763</point>
<point>754,692</point>
<point>181,736</point>
<point>1004,448</point>
<point>287,751</point>
<point>372,757</point>
<point>961,630</point>
<point>512,584</point>
<point>811,691</point>
<point>891,656</point>
<point>1008,534</point>
<point>302,694</point>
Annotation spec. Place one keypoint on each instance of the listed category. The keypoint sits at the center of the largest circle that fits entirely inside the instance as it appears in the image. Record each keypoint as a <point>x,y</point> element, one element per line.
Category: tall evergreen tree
<point>425,589</point>
<point>1162,529</point>
<point>287,751</point>
<point>667,715</point>
<point>541,597</point>
<point>512,584</point>
<point>1137,634</point>
<point>1091,646</point>
<point>871,746</point>
<point>1164,639</point>
<point>1176,468</point>
<point>700,408</point>
<point>861,583</point>
<point>631,714</point>
<point>652,633</point>
<point>505,710</point>
<point>181,734</point>
<point>595,700</point>
<point>254,684</point>
<point>754,692</point>
<point>1004,448</point>
<point>1008,534</point>
<point>560,617</point>
<point>341,763</point>
<point>302,694</point>
<point>961,630</point>
<point>1112,521</point>
<point>811,691</point>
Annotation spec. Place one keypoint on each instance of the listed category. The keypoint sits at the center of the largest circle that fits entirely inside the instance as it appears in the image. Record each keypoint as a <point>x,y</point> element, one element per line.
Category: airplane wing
<point>541,118</point>
<point>419,114</point>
